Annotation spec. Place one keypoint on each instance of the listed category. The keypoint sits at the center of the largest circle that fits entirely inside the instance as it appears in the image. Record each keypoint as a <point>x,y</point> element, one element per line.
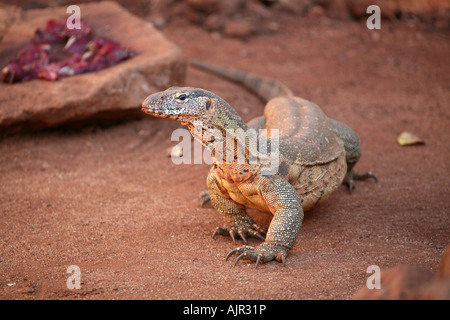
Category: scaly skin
<point>312,163</point>
<point>268,89</point>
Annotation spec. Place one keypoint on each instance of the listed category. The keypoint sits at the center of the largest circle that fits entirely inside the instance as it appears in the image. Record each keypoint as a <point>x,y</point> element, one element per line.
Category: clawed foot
<point>263,253</point>
<point>234,231</point>
<point>351,176</point>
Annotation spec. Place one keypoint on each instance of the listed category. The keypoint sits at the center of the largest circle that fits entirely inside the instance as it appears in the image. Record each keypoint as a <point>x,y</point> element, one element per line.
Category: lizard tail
<point>265,88</point>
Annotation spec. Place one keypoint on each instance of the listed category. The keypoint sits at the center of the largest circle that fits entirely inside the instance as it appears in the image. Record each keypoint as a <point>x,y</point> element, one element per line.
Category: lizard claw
<point>233,232</point>
<point>263,253</point>
<point>240,250</point>
<point>258,259</point>
<point>351,176</point>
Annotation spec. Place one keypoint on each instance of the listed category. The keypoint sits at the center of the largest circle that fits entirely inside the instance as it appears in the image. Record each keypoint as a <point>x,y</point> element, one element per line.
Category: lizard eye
<point>208,104</point>
<point>181,97</point>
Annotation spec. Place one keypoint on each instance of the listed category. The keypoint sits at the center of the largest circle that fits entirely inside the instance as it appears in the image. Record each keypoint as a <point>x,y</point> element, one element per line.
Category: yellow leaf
<point>408,138</point>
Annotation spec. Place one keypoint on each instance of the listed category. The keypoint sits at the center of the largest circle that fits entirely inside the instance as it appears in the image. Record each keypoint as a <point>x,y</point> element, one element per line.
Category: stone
<point>8,15</point>
<point>296,7</point>
<point>337,9</point>
<point>206,6</point>
<point>444,267</point>
<point>238,29</point>
<point>111,93</point>
<point>398,283</point>
<point>214,22</point>
<point>358,8</point>
<point>407,282</point>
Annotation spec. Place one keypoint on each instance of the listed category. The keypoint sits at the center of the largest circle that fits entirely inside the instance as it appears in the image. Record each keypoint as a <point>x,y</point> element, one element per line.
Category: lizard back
<point>306,136</point>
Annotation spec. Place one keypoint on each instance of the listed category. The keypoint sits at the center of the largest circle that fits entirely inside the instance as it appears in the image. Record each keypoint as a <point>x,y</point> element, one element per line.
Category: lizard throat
<point>225,146</point>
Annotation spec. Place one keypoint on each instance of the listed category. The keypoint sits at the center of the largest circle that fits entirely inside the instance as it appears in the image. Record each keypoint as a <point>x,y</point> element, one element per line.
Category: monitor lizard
<point>315,155</point>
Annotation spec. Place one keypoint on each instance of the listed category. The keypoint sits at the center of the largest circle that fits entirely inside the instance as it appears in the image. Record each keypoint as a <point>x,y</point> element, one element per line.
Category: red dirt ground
<point>109,199</point>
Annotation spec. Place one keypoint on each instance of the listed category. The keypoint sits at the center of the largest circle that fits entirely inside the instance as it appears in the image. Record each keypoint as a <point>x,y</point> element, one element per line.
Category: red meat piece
<point>55,70</point>
<point>29,60</point>
<point>37,61</point>
<point>77,44</point>
<point>53,32</point>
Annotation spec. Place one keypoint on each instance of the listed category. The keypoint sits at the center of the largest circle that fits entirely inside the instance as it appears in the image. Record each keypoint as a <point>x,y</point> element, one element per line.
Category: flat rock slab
<point>112,92</point>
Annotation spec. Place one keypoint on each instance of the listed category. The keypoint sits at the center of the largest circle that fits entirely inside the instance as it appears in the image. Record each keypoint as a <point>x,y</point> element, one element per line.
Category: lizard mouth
<point>147,109</point>
<point>148,106</point>
<point>153,111</point>
<point>160,112</point>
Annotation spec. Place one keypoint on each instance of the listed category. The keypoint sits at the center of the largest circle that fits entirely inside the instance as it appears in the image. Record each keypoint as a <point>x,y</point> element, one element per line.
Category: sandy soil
<point>110,201</point>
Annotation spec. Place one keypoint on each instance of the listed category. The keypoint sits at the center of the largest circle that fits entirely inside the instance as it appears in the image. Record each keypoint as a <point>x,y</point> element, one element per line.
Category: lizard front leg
<point>236,221</point>
<point>283,201</point>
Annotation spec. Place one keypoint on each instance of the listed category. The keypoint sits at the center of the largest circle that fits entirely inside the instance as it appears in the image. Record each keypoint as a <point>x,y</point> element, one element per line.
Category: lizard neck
<point>226,136</point>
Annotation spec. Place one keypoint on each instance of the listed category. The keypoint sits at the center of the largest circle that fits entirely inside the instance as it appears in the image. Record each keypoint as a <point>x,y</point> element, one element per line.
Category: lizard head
<point>208,117</point>
<point>186,105</point>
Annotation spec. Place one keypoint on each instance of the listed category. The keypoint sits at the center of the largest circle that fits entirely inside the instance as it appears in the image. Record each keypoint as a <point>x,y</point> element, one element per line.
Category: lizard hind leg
<point>351,176</point>
<point>352,148</point>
